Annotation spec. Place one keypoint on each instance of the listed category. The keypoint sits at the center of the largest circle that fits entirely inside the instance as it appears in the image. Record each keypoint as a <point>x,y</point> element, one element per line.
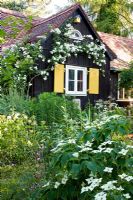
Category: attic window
<point>76,35</point>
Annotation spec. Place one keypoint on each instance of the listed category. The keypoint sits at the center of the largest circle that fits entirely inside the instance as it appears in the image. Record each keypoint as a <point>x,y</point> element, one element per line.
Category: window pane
<point>71,74</point>
<point>80,75</point>
<point>71,85</point>
<point>80,86</point>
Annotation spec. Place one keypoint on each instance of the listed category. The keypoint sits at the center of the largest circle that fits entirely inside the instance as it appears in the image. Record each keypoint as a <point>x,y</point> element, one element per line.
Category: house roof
<point>122,47</point>
<point>10,16</point>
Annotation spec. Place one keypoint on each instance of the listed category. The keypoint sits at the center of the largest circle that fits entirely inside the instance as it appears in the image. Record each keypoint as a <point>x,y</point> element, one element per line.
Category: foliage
<point>19,181</point>
<point>13,5</point>
<point>16,26</point>
<point>52,160</point>
<point>108,19</point>
<point>15,101</point>
<point>111,16</point>
<point>18,138</point>
<point>18,63</point>
<point>126,78</point>
<point>89,165</point>
<point>49,108</point>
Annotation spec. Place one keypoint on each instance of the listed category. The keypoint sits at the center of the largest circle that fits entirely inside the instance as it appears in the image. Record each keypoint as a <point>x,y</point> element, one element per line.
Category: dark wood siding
<point>113,84</point>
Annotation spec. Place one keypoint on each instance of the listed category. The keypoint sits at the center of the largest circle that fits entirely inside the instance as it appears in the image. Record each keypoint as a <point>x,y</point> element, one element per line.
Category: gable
<point>44,26</point>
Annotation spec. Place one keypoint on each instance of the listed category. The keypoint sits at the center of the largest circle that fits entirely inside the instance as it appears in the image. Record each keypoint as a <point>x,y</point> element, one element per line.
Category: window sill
<point>127,100</point>
<point>69,94</point>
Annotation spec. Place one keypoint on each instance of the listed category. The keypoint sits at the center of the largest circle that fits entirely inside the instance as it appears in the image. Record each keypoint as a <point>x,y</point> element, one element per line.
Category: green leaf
<point>75,169</point>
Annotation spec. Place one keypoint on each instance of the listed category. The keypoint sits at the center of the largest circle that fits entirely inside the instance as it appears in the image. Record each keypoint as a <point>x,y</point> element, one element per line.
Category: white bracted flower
<point>76,154</point>
<point>109,186</point>
<point>100,196</point>
<point>57,184</point>
<point>123,152</point>
<point>93,182</point>
<point>126,177</point>
<point>84,189</point>
<point>64,179</point>
<point>108,169</point>
<point>127,196</point>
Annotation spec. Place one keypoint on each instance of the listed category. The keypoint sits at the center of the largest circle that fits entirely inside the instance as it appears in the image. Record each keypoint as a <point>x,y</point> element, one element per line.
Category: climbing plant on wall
<point>21,61</point>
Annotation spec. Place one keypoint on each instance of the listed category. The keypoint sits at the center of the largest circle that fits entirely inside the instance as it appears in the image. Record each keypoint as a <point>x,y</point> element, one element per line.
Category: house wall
<point>113,84</point>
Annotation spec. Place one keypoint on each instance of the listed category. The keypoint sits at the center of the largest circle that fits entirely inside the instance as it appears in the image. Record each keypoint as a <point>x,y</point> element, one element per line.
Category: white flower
<point>96,151</point>
<point>9,117</point>
<point>109,186</point>
<point>30,84</point>
<point>100,196</point>
<point>85,149</point>
<point>45,78</point>
<point>127,196</point>
<point>64,179</point>
<point>76,155</point>
<point>122,176</point>
<point>84,189</point>
<point>108,169</point>
<point>93,182</point>
<point>123,152</point>
<point>71,141</point>
<point>129,147</point>
<point>35,67</point>
<point>108,150</point>
<point>120,188</point>
<point>57,30</point>
<point>56,185</point>
<point>126,177</point>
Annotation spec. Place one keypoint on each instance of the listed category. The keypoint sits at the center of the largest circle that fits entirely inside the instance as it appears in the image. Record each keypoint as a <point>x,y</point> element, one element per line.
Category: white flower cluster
<point>92,183</point>
<point>123,152</point>
<point>108,169</point>
<point>126,177</point>
<point>100,196</point>
<point>63,181</point>
<point>85,147</point>
<point>62,143</point>
<point>109,186</point>
<point>63,50</point>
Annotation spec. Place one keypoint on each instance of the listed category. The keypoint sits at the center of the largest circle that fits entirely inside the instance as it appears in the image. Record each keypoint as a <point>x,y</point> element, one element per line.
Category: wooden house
<point>79,76</point>
<point>123,48</point>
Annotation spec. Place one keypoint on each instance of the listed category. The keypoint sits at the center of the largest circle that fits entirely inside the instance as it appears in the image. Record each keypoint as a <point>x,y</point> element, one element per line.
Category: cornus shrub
<point>17,137</point>
<point>90,166</point>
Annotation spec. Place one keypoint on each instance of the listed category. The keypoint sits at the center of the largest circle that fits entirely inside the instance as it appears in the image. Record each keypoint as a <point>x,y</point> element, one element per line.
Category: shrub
<point>49,107</point>
<point>14,101</point>
<point>89,165</point>
<point>18,138</point>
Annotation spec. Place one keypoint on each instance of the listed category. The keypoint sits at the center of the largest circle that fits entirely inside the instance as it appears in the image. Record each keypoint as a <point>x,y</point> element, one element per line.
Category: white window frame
<point>73,35</point>
<point>75,92</point>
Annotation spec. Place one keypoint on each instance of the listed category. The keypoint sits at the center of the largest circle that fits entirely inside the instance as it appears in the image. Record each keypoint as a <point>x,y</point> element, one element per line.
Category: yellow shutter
<point>59,78</point>
<point>93,81</point>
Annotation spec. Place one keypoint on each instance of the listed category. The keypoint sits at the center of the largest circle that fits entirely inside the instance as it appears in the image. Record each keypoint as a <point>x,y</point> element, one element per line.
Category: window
<point>76,35</point>
<point>76,80</point>
<point>125,94</point>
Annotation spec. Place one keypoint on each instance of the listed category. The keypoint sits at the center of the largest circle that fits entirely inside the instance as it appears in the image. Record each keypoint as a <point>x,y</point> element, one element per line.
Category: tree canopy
<point>126,77</point>
<point>110,16</point>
